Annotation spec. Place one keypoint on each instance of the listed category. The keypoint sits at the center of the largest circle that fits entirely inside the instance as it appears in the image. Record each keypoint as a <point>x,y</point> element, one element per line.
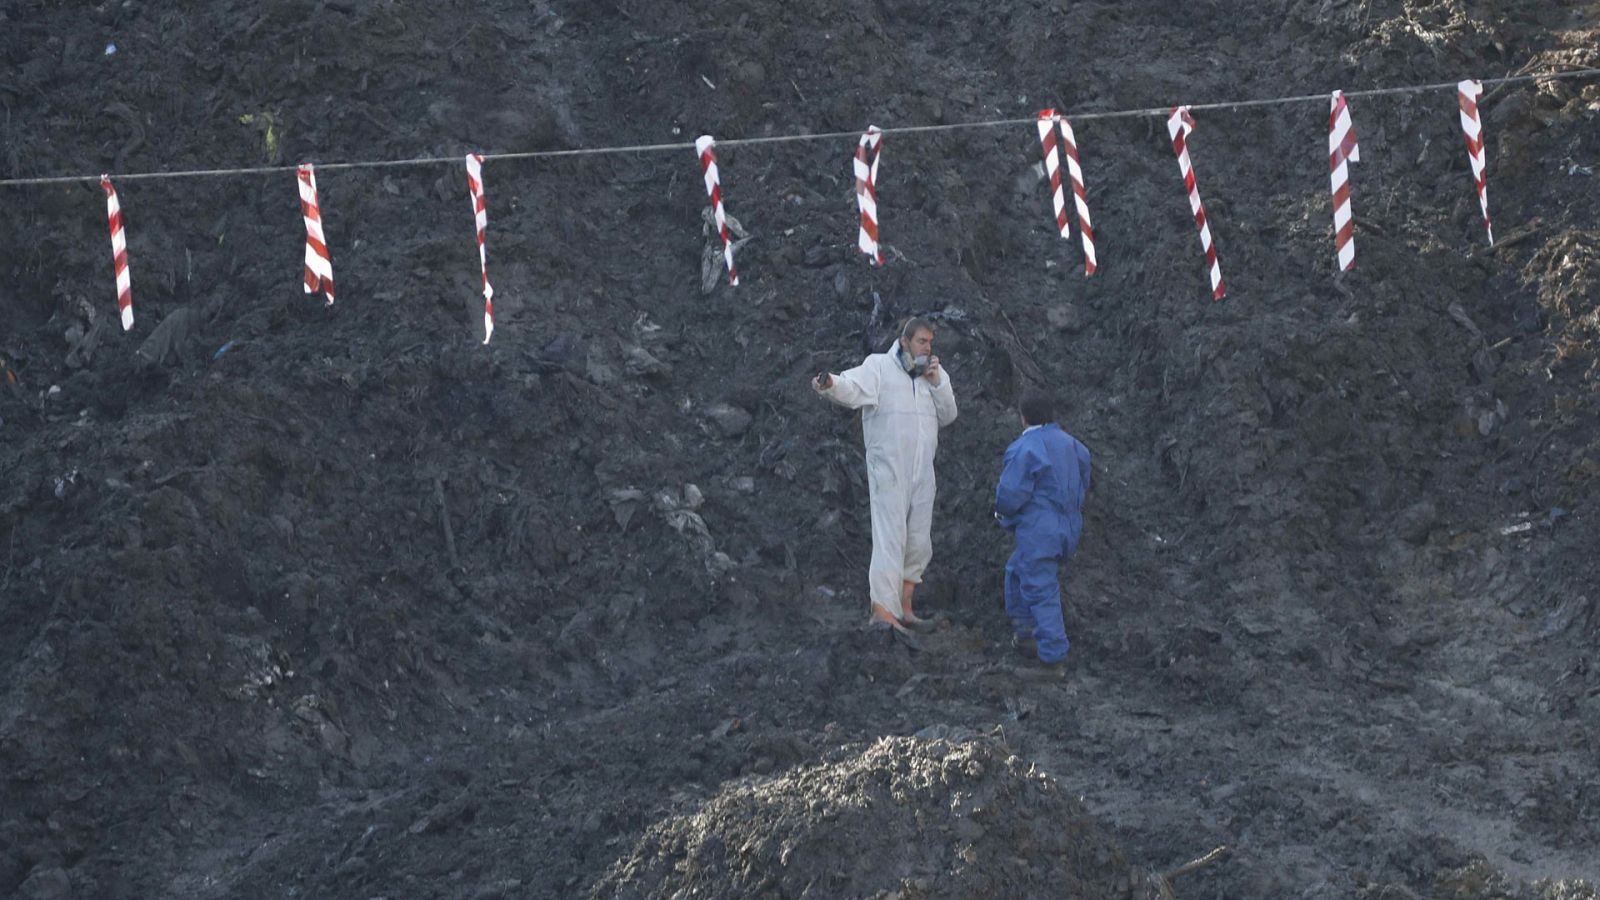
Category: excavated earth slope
<point>361,607</point>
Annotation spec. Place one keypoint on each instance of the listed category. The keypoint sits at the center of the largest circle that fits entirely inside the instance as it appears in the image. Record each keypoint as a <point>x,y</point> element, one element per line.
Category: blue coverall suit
<point>1040,500</point>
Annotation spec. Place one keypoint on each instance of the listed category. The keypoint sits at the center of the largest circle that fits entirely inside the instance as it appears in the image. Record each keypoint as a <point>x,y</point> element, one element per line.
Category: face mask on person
<point>914,365</point>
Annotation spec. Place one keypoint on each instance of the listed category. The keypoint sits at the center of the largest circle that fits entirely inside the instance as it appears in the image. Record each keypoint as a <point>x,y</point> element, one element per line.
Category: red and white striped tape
<point>1052,168</point>
<point>119,254</point>
<point>1080,197</point>
<point>1342,150</point>
<point>480,211</point>
<point>1179,124</point>
<point>705,146</point>
<point>1472,128</point>
<point>1049,120</point>
<point>867,191</point>
<point>319,268</point>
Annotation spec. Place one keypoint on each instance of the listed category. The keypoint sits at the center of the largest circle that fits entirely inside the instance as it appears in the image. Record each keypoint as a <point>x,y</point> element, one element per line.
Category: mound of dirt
<point>903,817</point>
<point>1479,880</point>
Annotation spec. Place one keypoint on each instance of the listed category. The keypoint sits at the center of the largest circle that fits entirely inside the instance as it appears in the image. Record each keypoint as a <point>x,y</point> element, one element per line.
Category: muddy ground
<point>240,659</point>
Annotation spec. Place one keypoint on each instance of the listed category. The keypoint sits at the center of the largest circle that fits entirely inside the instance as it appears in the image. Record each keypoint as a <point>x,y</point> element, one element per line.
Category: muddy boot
<point>1026,647</point>
<point>895,633</point>
<point>1043,671</point>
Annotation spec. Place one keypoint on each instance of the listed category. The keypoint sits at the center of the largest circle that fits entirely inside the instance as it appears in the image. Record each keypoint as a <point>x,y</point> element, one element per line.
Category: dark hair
<point>914,325</point>
<point>1038,407</point>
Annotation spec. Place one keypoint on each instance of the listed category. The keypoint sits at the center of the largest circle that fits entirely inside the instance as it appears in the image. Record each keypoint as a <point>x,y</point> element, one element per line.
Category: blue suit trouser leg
<point>1041,591</point>
<point>1017,608</point>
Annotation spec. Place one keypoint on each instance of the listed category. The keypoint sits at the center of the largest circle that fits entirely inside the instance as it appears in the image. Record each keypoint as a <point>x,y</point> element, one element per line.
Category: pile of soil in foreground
<point>1477,880</point>
<point>903,817</point>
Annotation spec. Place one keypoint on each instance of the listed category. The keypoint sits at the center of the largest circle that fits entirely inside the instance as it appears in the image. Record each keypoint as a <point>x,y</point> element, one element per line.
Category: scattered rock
<point>729,419</point>
<point>1066,317</point>
<point>47,883</point>
<point>1484,364</point>
<point>1417,521</point>
<point>749,78</point>
<point>504,887</point>
<point>84,344</point>
<point>598,371</point>
<point>625,503</point>
<point>640,362</point>
<point>169,342</point>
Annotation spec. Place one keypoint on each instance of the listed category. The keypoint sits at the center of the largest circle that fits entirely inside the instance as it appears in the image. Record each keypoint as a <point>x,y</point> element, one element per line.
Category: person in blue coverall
<point>1040,500</point>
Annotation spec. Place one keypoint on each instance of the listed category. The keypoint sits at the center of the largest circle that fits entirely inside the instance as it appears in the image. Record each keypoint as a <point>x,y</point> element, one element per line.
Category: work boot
<point>1043,671</point>
<point>895,633</point>
<point>908,640</point>
<point>1027,647</point>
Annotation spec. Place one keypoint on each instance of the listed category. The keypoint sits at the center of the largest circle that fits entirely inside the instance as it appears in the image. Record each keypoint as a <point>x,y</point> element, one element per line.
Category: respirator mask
<point>914,365</point>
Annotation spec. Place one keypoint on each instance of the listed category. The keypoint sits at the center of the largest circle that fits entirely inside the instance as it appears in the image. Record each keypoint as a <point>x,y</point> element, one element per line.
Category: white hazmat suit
<point>900,421</point>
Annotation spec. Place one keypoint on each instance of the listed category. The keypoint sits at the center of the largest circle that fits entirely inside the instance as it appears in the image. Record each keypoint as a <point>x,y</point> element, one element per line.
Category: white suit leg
<point>889,517</point>
<point>919,533</point>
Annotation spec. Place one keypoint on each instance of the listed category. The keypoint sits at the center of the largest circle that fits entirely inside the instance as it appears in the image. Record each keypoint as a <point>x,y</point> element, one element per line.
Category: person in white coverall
<point>905,398</point>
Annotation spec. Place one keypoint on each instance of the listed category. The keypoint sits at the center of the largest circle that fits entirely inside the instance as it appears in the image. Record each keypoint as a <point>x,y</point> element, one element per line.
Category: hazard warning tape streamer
<point>705,146</point>
<point>866,174</point>
<point>1049,121</point>
<point>480,211</point>
<point>1179,124</point>
<point>119,254</point>
<point>1467,93</point>
<point>319,268</point>
<point>1342,150</point>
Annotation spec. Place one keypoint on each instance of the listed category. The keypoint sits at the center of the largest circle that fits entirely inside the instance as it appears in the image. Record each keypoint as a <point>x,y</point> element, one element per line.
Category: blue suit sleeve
<point>1083,466</point>
<point>1017,481</point>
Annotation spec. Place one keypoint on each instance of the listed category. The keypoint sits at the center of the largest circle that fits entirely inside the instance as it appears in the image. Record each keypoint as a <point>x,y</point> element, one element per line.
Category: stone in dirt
<point>729,419</point>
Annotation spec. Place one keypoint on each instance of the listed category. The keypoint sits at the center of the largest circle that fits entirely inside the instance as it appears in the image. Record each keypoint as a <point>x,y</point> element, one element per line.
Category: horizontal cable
<point>787,138</point>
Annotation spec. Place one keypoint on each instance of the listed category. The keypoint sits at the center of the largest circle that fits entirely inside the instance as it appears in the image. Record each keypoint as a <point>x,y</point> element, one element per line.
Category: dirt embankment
<point>1335,606</point>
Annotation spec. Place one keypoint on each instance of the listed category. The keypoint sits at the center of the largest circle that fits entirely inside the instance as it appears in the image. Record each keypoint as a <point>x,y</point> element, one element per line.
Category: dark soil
<point>237,657</point>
